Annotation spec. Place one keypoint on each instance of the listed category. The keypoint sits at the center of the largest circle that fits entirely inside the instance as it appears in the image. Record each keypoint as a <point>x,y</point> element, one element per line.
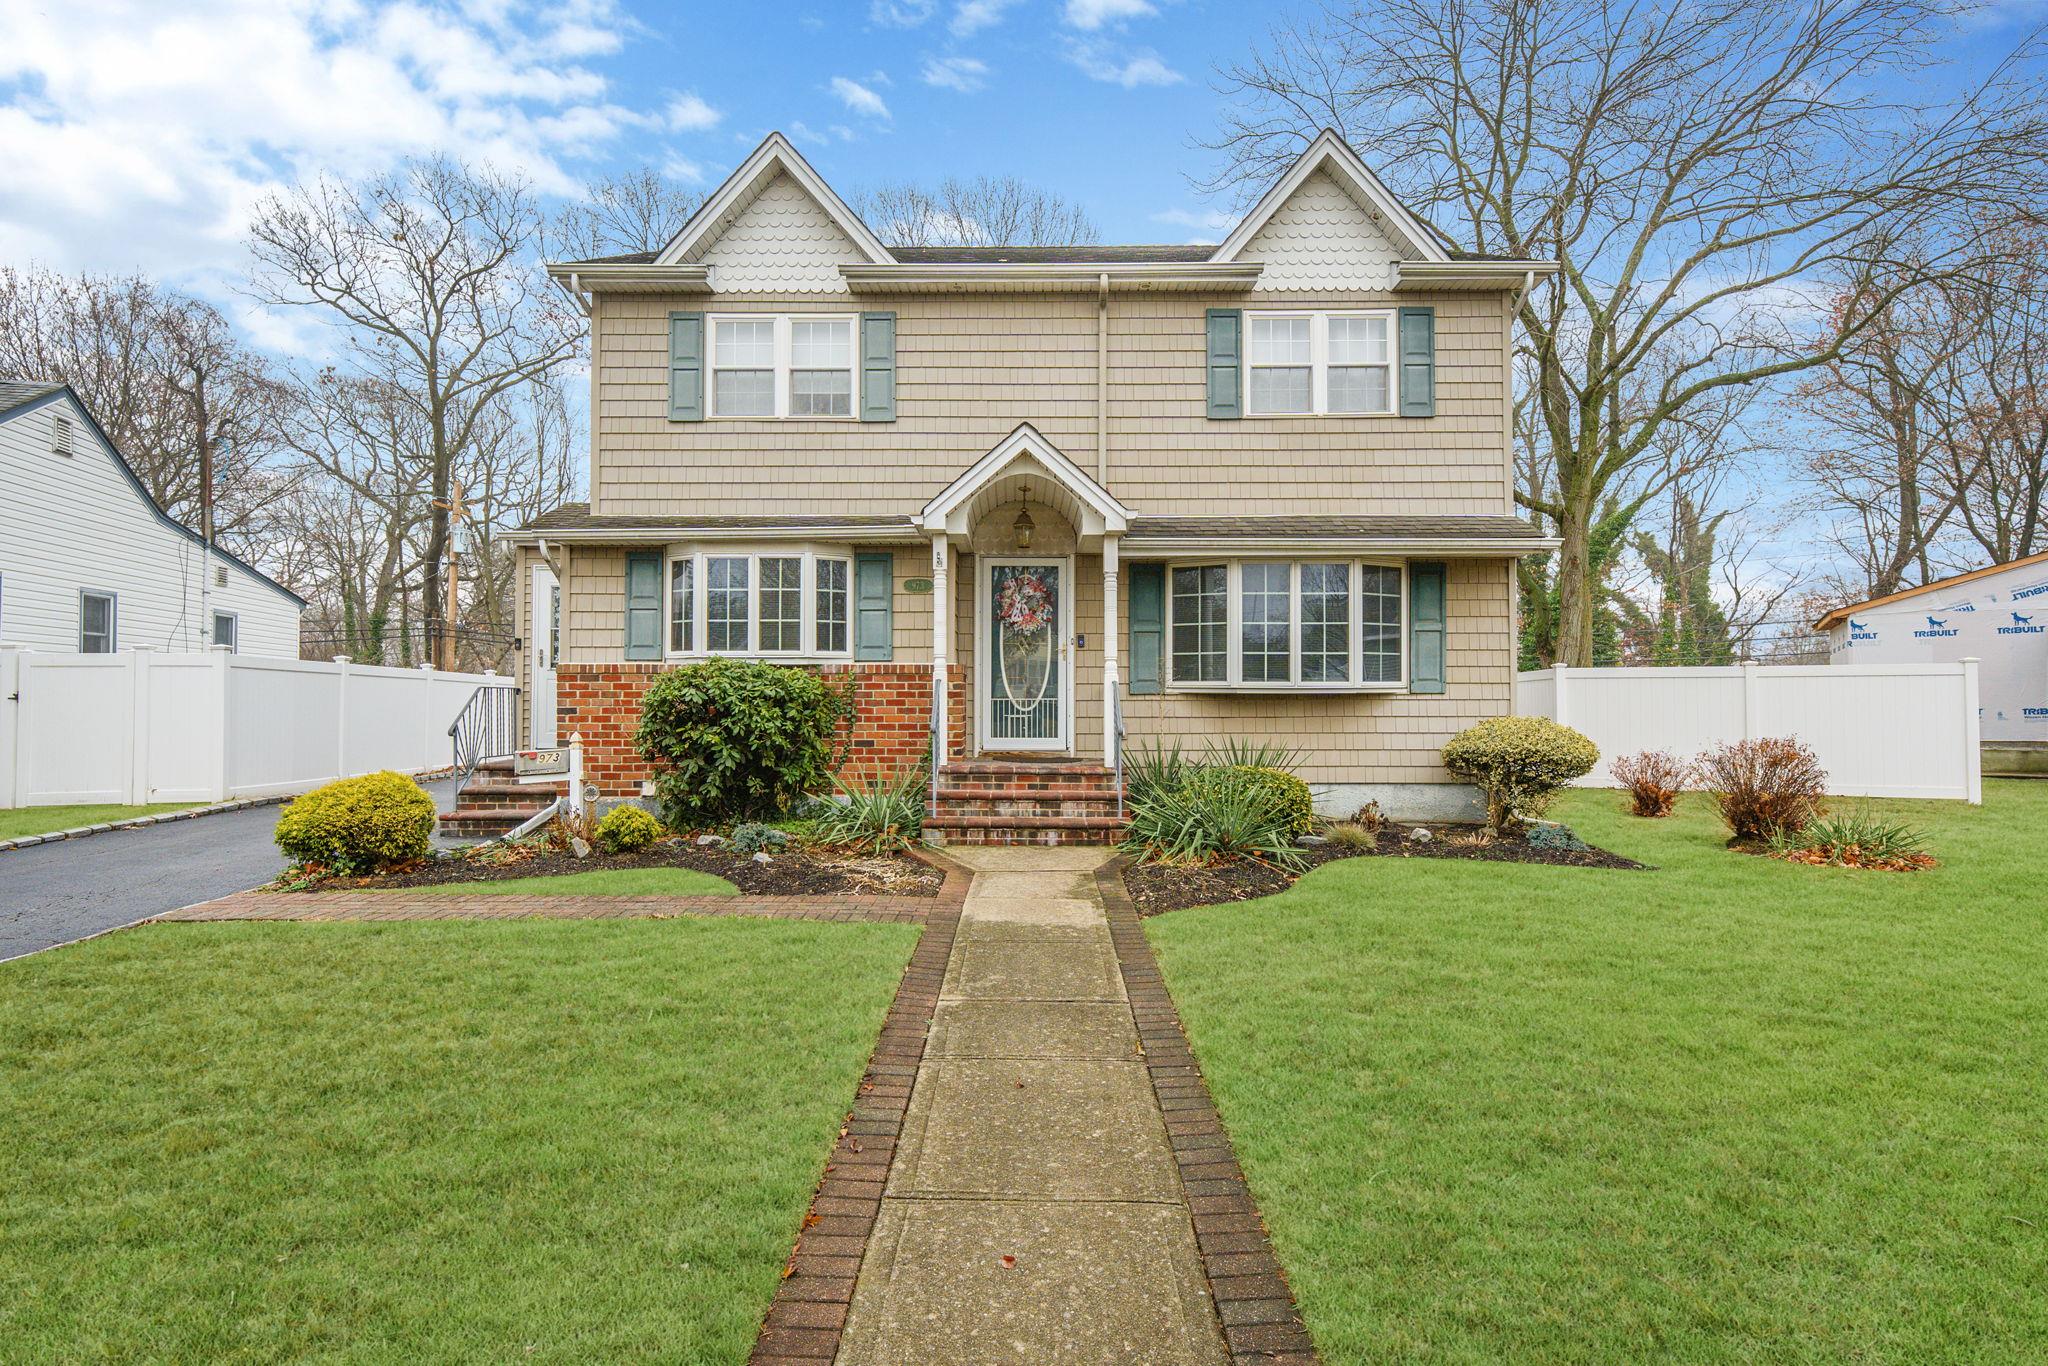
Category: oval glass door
<point>1025,684</point>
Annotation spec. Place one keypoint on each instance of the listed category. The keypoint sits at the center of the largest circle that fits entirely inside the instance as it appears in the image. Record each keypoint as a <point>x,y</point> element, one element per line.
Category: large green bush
<point>1519,763</point>
<point>1290,794</point>
<point>359,825</point>
<point>732,739</point>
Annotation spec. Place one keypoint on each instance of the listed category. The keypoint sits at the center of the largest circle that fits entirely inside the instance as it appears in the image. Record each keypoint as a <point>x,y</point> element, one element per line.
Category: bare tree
<point>430,275</point>
<point>188,404</point>
<point>1687,167</point>
<point>987,211</point>
<point>632,211</point>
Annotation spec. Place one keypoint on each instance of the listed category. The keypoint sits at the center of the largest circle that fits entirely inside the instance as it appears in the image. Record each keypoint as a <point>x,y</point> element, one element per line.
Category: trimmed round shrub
<point>734,739</point>
<point>359,825</point>
<point>1519,763</point>
<point>626,828</point>
<point>1290,795</point>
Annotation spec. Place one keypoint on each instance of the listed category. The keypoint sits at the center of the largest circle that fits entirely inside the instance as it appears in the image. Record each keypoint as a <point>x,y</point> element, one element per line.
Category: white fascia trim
<point>1470,274</point>
<point>1140,545</point>
<point>1330,150</point>
<point>1116,518</point>
<point>774,154</point>
<point>630,275</point>
<point>906,533</point>
<point>1079,276</point>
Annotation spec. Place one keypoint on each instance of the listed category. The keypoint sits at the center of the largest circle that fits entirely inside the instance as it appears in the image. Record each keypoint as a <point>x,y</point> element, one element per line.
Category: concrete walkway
<point>1034,1211</point>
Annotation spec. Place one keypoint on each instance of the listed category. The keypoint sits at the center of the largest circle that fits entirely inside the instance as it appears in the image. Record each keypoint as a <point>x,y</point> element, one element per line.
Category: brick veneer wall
<point>891,724</point>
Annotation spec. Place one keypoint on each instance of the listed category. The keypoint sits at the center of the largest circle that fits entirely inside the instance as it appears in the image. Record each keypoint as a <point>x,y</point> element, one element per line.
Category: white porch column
<point>942,623</point>
<point>1110,689</point>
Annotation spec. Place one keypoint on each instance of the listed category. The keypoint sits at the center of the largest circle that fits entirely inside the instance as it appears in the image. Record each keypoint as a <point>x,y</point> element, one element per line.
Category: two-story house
<point>1050,502</point>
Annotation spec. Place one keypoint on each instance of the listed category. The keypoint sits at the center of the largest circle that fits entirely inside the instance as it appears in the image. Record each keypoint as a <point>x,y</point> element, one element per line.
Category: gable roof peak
<point>775,156</point>
<point>1328,151</point>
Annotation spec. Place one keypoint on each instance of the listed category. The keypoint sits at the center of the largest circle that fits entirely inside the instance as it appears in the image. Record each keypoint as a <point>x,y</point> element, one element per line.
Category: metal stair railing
<point>487,727</point>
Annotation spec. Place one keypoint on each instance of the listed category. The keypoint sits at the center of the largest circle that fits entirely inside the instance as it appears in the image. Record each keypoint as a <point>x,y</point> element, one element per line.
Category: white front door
<point>1025,611</point>
<point>541,653</point>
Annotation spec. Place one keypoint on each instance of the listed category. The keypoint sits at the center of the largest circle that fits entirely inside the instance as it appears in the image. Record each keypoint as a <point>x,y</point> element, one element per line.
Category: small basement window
<point>227,631</point>
<point>98,620</point>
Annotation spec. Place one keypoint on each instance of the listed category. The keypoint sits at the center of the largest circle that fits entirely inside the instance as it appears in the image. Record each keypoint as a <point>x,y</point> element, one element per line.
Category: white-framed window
<point>1312,625</point>
<point>791,603</point>
<point>1330,363</point>
<point>99,619</point>
<point>782,365</point>
<point>227,630</point>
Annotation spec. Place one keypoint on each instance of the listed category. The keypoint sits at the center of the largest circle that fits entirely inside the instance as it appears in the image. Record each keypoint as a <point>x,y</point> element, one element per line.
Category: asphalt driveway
<point>54,893</point>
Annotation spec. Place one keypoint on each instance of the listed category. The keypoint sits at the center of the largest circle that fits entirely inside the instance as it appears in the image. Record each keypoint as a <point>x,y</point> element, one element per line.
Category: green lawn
<point>604,882</point>
<point>449,1141</point>
<point>1730,1110</point>
<point>18,821</point>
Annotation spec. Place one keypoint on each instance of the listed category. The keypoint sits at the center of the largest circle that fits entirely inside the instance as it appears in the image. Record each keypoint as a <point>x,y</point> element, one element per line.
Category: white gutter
<point>1076,276</point>
<point>564,536</point>
<point>1136,542</point>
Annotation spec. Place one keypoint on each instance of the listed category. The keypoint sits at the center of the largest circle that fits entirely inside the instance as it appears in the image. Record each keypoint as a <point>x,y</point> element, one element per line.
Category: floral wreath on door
<point>1025,602</point>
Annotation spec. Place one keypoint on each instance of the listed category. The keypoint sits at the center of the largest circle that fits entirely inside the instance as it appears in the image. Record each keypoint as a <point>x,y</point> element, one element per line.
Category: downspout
<point>1507,375</point>
<point>1102,380</point>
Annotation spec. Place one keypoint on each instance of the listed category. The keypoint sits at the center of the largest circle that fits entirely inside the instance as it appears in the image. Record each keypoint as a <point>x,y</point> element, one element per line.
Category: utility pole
<point>458,511</point>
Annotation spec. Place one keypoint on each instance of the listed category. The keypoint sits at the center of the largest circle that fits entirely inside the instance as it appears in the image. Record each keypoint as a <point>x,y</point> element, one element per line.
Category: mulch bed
<point>796,871</point>
<point>1157,887</point>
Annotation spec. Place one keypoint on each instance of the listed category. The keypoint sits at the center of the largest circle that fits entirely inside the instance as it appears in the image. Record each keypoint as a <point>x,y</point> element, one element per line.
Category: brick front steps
<point>1026,801</point>
<point>493,802</point>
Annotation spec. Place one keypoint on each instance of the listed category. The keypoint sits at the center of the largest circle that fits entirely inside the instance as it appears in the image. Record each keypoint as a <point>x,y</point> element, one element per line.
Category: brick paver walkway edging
<point>1260,1321</point>
<point>808,1314</point>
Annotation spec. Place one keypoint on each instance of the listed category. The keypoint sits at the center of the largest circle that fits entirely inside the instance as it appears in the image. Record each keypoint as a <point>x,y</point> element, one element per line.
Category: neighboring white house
<point>1997,615</point>
<point>89,562</point>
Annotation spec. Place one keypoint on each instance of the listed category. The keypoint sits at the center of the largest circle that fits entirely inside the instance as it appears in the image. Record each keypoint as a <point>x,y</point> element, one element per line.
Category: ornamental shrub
<point>1225,812</point>
<point>359,825</point>
<point>733,739</point>
<point>1765,787</point>
<point>1290,794</point>
<point>1653,779</point>
<point>754,838</point>
<point>626,828</point>
<point>1519,763</point>
<point>881,815</point>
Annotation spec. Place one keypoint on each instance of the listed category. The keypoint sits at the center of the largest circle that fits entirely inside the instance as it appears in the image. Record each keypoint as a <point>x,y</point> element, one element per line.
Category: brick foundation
<point>891,723</point>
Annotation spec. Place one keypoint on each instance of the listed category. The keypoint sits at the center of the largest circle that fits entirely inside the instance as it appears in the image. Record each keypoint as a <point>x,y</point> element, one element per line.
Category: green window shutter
<point>1418,362</point>
<point>874,596</point>
<point>878,367</point>
<point>1148,625</point>
<point>643,605</point>
<point>1426,622</point>
<point>1226,362</point>
<point>686,367</point>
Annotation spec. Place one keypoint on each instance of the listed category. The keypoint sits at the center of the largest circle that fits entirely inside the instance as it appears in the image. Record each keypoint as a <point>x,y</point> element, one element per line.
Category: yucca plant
<point>1157,768</point>
<point>882,814</point>
<point>1853,837</point>
<point>1228,815</point>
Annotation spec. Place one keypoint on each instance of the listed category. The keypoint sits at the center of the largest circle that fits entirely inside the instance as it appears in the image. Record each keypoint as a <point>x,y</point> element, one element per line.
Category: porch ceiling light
<point>1024,526</point>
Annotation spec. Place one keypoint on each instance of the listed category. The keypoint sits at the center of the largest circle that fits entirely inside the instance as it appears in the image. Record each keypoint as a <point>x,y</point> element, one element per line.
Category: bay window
<point>781,365</point>
<point>1336,364</point>
<point>766,603</point>
<point>1308,625</point>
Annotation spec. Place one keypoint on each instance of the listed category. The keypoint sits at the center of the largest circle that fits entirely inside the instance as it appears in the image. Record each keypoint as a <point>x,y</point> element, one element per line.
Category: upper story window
<point>781,365</point>
<point>1306,363</point>
<point>1314,625</point>
<point>786,604</point>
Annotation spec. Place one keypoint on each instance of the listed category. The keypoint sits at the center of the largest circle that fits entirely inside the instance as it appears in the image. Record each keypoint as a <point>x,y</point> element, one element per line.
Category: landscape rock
<point>580,847</point>
<point>762,857</point>
<point>1419,836</point>
<point>706,840</point>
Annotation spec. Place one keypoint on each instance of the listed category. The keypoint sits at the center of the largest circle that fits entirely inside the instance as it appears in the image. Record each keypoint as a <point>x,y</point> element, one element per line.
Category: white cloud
<point>1094,14</point>
<point>1129,70</point>
<point>972,16</point>
<point>859,98</point>
<point>123,113</point>
<point>1199,220</point>
<point>683,169</point>
<point>964,74</point>
<point>902,13</point>
<point>687,113</point>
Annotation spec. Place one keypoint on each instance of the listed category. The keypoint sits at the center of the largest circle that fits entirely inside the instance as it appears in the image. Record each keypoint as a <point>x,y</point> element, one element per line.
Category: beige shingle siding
<point>970,368</point>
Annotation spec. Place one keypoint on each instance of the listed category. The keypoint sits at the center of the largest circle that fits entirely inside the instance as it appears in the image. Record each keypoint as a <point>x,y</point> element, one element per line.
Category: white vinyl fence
<point>151,726</point>
<point>1881,730</point>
